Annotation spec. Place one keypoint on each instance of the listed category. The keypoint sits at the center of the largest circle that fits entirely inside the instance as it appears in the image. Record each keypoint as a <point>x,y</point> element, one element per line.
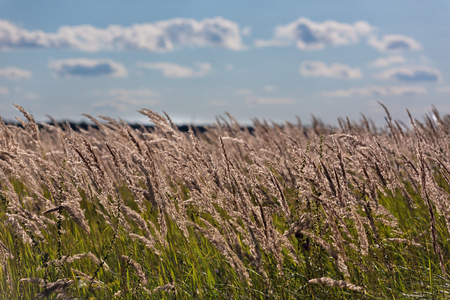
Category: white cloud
<point>246,30</point>
<point>444,89</point>
<point>336,70</point>
<point>244,92</point>
<point>252,100</point>
<point>124,99</point>
<point>271,43</point>
<point>411,74</point>
<point>309,35</point>
<point>18,93</point>
<point>394,43</point>
<point>130,94</point>
<point>424,60</point>
<point>31,96</point>
<point>4,90</point>
<point>15,73</point>
<point>83,67</point>
<point>172,70</point>
<point>270,88</point>
<point>229,67</point>
<point>267,101</point>
<point>387,61</point>
<point>378,91</point>
<point>160,37</point>
<point>217,103</point>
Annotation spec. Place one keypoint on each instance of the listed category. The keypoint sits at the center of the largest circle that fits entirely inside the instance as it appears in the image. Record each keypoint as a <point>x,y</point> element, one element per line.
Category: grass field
<point>279,212</point>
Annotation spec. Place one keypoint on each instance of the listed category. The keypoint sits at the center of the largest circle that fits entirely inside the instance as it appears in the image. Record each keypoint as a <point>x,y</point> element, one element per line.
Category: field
<point>267,212</point>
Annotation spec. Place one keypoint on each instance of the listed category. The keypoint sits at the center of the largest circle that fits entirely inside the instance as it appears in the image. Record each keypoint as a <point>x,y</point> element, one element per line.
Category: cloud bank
<point>31,96</point>
<point>172,70</point>
<point>126,99</point>
<point>15,73</point>
<point>394,43</point>
<point>4,90</point>
<point>244,92</point>
<point>159,37</point>
<point>267,101</point>
<point>309,35</point>
<point>378,91</point>
<point>387,61</point>
<point>336,70</point>
<point>443,89</point>
<point>270,88</point>
<point>411,74</point>
<point>83,67</point>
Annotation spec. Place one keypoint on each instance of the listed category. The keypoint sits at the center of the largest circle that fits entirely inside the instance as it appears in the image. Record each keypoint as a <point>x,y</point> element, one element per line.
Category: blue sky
<point>196,60</point>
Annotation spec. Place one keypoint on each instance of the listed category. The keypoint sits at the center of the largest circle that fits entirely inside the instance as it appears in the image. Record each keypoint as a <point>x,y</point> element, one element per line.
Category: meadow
<point>272,212</point>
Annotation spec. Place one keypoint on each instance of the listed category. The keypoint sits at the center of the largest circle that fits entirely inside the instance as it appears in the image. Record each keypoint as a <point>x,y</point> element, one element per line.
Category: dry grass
<point>280,212</point>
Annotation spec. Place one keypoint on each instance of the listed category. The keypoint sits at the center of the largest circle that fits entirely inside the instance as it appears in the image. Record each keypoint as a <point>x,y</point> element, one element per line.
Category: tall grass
<point>282,212</point>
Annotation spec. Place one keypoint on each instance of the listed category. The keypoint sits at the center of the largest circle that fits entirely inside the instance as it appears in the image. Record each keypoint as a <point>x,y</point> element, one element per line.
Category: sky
<point>198,59</point>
